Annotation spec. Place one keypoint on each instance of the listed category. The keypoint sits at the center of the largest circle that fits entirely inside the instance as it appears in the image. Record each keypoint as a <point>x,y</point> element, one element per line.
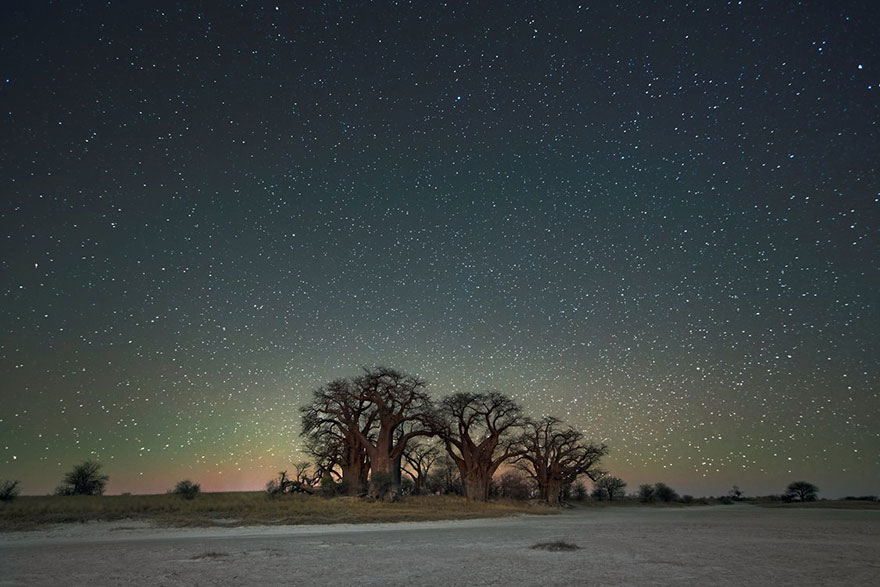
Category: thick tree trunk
<point>352,479</point>
<point>551,492</point>
<point>382,478</point>
<point>354,471</point>
<point>476,486</point>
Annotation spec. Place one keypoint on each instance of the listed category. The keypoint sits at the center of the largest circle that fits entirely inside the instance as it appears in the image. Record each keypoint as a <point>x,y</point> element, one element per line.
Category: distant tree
<point>83,479</point>
<point>664,492</point>
<point>801,491</point>
<point>646,493</point>
<point>419,457</point>
<point>480,431</point>
<point>444,478</point>
<point>735,493</point>
<point>579,491</point>
<point>512,484</point>
<point>610,488</point>
<point>186,489</point>
<point>8,490</point>
<point>555,455</point>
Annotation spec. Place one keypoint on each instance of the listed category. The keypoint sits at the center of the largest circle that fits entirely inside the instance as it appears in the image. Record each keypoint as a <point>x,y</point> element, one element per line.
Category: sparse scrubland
<point>245,508</point>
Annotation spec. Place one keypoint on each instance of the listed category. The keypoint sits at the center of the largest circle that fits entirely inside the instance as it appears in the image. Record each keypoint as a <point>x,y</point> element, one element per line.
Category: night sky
<point>657,221</point>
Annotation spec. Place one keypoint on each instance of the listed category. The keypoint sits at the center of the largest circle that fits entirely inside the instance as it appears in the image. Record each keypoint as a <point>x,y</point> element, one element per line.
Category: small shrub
<point>329,487</point>
<point>187,489</point>
<point>687,499</point>
<point>8,491</point>
<point>382,482</point>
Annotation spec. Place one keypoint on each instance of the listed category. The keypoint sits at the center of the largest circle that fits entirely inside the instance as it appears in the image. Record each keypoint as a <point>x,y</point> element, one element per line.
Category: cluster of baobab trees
<point>360,429</point>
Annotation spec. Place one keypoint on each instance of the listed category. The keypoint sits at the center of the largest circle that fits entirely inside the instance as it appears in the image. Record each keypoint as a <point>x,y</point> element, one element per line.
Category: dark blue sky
<point>658,221</point>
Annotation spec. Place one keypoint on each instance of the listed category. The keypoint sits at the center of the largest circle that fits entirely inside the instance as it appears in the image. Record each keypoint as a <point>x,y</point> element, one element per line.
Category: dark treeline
<point>364,431</point>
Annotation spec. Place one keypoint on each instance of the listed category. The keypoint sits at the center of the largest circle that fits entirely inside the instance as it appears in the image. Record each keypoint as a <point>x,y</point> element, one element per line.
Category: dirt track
<point>716,546</point>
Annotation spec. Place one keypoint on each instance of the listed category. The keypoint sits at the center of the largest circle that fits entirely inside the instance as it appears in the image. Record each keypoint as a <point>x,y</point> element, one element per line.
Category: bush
<point>664,492</point>
<point>646,493</point>
<point>8,491</point>
<point>383,483</point>
<point>187,489</point>
<point>83,479</point>
<point>687,499</point>
<point>329,487</point>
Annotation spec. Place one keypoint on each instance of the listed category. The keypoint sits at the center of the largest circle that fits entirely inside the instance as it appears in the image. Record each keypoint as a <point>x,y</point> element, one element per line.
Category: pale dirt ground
<point>714,546</point>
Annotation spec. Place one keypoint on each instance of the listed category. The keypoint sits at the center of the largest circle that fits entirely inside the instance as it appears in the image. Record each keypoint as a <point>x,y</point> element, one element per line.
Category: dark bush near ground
<point>8,491</point>
<point>664,492</point>
<point>187,489</point>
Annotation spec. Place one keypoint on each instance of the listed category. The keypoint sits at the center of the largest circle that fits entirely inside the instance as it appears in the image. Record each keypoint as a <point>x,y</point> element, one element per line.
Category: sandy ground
<point>715,546</point>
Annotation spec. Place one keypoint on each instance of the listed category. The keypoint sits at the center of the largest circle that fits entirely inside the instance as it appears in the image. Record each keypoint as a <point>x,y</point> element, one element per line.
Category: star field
<point>659,223</point>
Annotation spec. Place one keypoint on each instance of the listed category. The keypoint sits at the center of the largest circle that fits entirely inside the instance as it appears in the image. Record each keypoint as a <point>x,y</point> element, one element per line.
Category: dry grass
<point>244,508</point>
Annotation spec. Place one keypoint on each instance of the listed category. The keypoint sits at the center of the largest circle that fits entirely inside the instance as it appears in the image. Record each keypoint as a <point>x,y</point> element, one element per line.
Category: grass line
<point>244,509</point>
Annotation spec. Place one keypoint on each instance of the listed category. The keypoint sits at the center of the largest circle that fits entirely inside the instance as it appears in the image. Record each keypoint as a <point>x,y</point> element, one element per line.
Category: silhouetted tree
<point>8,490</point>
<point>610,488</point>
<point>555,455</point>
<point>186,489</point>
<point>303,481</point>
<point>735,493</point>
<point>513,485</point>
<point>395,399</point>
<point>83,479</point>
<point>480,431</point>
<point>801,491</point>
<point>444,477</point>
<point>334,424</point>
<point>646,493</point>
<point>664,492</point>
<point>419,457</point>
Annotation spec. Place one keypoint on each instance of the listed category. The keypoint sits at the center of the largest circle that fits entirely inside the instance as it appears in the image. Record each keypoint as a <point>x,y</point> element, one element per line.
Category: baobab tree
<point>335,425</point>
<point>554,455</point>
<point>480,432</point>
<point>395,399</point>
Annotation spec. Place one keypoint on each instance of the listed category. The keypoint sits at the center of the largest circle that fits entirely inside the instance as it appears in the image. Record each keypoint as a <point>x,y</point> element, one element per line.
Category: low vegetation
<point>186,489</point>
<point>246,508</point>
<point>8,491</point>
<point>85,478</point>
